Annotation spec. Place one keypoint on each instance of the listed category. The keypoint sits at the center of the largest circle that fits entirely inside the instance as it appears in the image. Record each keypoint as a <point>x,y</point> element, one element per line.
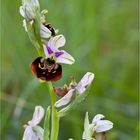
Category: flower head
<point>97,126</point>
<point>28,9</point>
<point>32,130</point>
<point>80,87</point>
<point>48,68</point>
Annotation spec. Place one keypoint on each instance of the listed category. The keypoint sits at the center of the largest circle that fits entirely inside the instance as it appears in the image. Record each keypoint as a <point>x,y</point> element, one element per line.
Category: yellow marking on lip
<point>54,71</point>
<point>39,65</point>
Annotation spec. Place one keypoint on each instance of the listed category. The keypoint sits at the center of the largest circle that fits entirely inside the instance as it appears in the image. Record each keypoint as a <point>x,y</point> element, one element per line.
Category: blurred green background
<point>102,35</point>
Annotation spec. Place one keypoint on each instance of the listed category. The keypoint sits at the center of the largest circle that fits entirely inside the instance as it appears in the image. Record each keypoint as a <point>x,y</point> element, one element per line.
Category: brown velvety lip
<point>46,69</point>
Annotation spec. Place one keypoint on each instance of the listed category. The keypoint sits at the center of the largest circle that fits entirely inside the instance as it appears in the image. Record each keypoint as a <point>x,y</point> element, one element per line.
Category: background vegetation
<point>102,35</point>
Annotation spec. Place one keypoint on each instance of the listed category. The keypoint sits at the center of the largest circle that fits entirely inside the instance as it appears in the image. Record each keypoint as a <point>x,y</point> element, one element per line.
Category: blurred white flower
<point>98,125</point>
<point>80,87</point>
<point>32,130</point>
<point>101,125</point>
<point>28,9</point>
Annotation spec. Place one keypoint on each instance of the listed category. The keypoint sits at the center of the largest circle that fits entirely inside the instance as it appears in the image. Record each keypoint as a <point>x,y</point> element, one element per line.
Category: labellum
<point>46,69</point>
<point>61,91</point>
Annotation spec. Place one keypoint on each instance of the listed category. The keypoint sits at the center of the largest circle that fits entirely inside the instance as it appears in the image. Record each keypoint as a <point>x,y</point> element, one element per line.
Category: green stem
<point>54,114</point>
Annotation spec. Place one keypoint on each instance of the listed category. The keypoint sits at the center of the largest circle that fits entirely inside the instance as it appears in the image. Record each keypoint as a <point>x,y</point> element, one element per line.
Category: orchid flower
<point>48,68</point>
<point>59,56</point>
<point>80,87</point>
<point>97,126</point>
<point>32,130</point>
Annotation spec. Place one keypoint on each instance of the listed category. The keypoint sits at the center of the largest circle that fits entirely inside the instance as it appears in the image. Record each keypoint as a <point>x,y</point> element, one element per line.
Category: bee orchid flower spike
<point>32,130</point>
<point>97,128</point>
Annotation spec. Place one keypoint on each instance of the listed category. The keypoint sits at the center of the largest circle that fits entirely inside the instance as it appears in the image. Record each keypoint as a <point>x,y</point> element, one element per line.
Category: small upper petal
<point>87,79</point>
<point>37,116</point>
<point>56,42</point>
<point>65,58</point>
<point>103,125</point>
<point>44,31</point>
<point>97,118</point>
<point>66,99</point>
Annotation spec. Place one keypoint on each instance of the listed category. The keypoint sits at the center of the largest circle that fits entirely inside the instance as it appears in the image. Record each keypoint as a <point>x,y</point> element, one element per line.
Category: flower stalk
<point>54,114</point>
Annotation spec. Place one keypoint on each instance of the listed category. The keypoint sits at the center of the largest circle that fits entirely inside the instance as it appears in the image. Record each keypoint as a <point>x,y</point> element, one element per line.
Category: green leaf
<point>47,124</point>
<point>38,130</point>
<point>86,126</point>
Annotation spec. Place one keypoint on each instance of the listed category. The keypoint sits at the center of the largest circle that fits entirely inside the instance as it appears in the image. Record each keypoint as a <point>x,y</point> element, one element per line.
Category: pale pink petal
<point>85,81</point>
<point>66,99</point>
<point>56,42</point>
<point>65,58</point>
<point>97,118</point>
<point>103,125</point>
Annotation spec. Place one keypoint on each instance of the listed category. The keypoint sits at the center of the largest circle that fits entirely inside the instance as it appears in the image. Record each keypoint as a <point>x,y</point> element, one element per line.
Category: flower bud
<point>29,9</point>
